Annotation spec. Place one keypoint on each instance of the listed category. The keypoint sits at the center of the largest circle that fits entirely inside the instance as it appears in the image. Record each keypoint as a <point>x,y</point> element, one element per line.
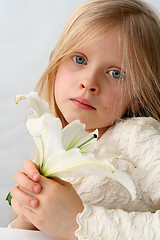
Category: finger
<point>54,182</point>
<point>62,182</point>
<point>31,169</point>
<point>26,183</point>
<point>18,209</point>
<point>30,215</point>
<point>23,198</point>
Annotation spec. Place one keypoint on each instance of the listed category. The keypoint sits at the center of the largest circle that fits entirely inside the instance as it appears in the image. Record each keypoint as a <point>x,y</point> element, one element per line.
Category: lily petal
<point>34,127</point>
<point>36,104</point>
<point>107,154</point>
<point>74,134</point>
<point>48,128</point>
<point>67,165</point>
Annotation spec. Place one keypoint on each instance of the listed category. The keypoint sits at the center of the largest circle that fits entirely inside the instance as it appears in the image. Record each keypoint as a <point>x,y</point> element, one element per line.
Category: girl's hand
<point>58,207</point>
<point>19,197</point>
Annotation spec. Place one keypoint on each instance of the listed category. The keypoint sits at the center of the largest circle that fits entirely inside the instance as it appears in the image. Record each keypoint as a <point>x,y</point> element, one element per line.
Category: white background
<point>29,30</point>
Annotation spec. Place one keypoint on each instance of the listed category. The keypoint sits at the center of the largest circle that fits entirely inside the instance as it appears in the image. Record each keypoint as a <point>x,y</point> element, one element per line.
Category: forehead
<point>98,35</point>
<point>110,37</point>
<point>108,44</point>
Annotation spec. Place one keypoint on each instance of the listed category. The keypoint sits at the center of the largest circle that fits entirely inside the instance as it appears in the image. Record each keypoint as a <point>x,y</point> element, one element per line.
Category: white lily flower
<point>70,151</point>
<point>63,149</point>
<point>36,104</point>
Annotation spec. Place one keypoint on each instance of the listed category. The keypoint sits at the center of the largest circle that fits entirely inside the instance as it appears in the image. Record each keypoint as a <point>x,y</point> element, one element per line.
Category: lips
<point>83,103</point>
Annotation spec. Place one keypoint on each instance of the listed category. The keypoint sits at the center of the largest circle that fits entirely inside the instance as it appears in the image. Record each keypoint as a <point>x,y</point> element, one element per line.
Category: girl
<point>105,67</point>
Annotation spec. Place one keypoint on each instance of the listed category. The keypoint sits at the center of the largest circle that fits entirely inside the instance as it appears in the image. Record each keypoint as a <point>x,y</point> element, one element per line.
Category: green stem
<point>9,198</point>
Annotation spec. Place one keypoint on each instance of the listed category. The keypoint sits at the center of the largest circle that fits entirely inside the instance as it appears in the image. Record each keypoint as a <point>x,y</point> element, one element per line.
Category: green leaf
<point>9,198</point>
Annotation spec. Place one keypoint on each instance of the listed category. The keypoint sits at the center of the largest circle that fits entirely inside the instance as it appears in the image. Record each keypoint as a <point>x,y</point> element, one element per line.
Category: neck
<point>101,131</point>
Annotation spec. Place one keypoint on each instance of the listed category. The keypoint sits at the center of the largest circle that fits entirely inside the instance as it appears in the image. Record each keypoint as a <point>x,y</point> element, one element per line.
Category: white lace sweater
<point>109,213</point>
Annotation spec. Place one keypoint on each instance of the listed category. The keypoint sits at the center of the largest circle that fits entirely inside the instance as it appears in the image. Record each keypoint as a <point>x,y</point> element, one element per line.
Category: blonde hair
<point>140,28</point>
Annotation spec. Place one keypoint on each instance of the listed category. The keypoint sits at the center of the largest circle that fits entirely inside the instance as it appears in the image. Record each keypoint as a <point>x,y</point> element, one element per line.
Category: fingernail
<point>33,203</point>
<point>36,188</point>
<point>35,176</point>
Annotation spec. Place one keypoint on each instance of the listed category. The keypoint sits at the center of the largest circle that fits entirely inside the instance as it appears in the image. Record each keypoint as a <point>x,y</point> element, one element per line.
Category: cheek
<point>115,101</point>
<point>63,79</point>
<point>110,98</point>
<point>57,89</point>
<point>60,82</point>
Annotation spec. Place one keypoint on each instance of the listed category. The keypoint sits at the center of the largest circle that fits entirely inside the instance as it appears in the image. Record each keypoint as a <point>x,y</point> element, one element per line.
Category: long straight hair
<point>139,29</point>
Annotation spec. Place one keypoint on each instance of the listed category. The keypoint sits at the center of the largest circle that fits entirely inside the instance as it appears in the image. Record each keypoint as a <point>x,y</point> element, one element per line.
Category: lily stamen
<point>124,159</point>
<point>82,145</point>
<point>73,142</point>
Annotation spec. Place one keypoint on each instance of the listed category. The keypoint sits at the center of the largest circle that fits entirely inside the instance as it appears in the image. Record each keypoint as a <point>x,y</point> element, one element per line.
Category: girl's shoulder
<point>137,142</point>
<point>135,135</point>
<point>138,127</point>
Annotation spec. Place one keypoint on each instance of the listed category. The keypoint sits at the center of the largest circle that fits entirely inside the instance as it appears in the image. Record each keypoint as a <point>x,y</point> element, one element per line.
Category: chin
<point>72,118</point>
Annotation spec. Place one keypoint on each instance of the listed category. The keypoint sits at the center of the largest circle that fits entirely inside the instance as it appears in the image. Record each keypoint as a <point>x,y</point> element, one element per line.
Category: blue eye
<point>116,74</point>
<point>79,59</point>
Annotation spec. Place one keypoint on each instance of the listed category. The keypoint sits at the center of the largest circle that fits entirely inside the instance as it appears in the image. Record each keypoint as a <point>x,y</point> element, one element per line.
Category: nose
<point>91,89</point>
<point>89,82</point>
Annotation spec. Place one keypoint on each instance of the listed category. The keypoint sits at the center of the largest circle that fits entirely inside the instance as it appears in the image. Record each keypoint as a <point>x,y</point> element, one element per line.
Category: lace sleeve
<point>98,223</point>
<point>139,141</point>
<point>113,216</point>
